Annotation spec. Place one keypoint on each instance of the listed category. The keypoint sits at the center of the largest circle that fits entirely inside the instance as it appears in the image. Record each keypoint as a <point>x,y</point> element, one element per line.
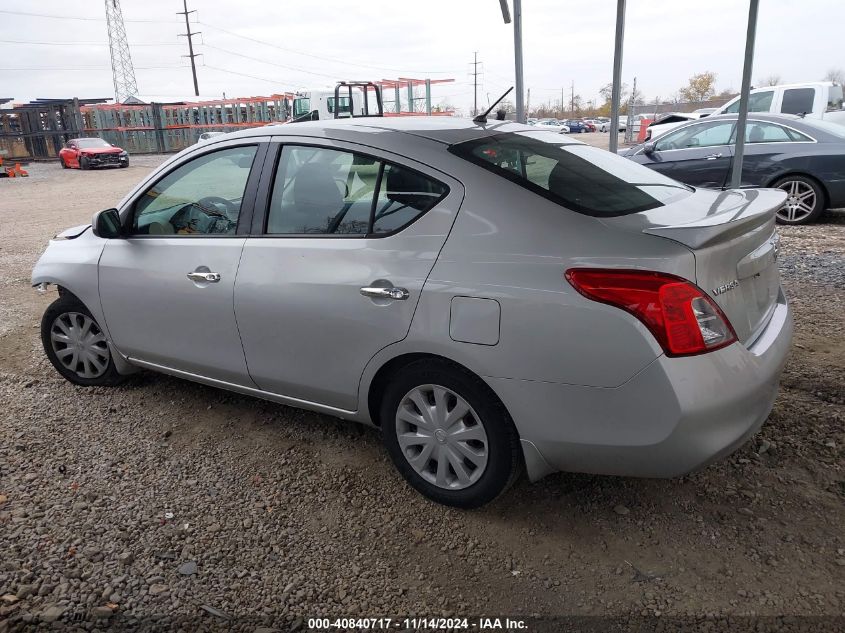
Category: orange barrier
<point>644,123</point>
<point>12,172</point>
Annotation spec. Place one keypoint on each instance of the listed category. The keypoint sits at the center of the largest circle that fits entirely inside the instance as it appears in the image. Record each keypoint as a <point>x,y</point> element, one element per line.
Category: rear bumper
<point>675,416</point>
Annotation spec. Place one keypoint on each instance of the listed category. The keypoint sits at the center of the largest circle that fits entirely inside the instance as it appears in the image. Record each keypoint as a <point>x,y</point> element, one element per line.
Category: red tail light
<point>683,319</point>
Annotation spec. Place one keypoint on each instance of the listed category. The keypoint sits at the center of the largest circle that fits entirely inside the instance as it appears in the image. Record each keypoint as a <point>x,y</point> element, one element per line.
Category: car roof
<point>442,129</point>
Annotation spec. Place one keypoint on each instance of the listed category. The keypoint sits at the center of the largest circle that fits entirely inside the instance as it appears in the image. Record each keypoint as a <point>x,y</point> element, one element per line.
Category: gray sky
<point>316,43</point>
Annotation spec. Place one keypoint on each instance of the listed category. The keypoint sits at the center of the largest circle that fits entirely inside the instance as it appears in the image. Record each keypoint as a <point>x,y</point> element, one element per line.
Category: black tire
<point>64,164</point>
<point>819,200</point>
<point>504,462</point>
<point>124,165</point>
<point>65,305</point>
<point>84,164</point>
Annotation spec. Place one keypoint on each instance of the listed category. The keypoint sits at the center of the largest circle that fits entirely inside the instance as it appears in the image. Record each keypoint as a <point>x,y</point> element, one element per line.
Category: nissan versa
<point>493,296</point>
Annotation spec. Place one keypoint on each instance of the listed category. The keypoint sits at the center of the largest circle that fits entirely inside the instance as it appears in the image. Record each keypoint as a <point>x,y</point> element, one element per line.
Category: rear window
<point>582,178</point>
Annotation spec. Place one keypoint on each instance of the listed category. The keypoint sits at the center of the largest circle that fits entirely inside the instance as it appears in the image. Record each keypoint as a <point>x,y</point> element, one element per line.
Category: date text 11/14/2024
<point>417,623</point>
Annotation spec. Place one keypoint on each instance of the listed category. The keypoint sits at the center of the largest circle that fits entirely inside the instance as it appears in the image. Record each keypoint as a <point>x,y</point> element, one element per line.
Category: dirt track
<point>289,514</point>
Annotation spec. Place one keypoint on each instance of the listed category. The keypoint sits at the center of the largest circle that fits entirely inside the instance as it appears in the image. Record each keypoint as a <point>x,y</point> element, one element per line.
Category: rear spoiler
<point>755,208</point>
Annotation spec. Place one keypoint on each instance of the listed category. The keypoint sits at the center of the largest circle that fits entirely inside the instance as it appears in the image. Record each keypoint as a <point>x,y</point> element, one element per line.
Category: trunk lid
<point>732,237</point>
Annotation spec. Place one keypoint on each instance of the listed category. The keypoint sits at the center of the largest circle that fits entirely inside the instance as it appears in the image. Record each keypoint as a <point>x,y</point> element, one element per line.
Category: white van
<point>818,100</point>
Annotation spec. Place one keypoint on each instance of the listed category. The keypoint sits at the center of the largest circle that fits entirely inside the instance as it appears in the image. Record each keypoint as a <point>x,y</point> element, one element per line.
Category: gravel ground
<point>167,499</point>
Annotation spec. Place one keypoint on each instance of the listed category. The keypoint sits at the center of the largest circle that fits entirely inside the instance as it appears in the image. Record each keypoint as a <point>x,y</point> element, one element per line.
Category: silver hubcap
<point>441,436</point>
<point>80,345</point>
<point>800,201</point>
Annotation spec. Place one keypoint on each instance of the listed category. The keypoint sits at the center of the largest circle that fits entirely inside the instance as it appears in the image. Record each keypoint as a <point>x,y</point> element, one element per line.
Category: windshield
<point>585,179</point>
<point>91,143</point>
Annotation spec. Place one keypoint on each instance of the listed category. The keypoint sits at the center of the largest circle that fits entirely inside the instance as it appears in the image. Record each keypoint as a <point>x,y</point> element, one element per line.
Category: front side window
<point>697,135</point>
<point>320,191</point>
<point>582,178</point>
<point>201,197</point>
<point>757,102</point>
<point>301,106</point>
<point>798,100</point>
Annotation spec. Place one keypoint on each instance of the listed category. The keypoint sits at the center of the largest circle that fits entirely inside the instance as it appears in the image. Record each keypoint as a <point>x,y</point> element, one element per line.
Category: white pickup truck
<point>818,100</point>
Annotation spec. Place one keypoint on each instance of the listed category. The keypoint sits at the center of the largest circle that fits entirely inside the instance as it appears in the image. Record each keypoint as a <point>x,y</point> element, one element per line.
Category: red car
<point>86,153</point>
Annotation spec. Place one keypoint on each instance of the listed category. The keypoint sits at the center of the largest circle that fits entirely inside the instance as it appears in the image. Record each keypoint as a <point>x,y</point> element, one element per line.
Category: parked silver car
<point>493,296</point>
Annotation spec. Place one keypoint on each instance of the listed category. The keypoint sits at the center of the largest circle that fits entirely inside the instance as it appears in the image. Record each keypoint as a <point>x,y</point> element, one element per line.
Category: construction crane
<point>123,72</point>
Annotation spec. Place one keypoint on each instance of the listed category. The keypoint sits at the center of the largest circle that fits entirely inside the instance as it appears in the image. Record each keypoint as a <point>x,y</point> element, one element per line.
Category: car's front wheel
<point>84,164</point>
<point>76,345</point>
<point>449,435</point>
<point>62,161</point>
<point>804,200</point>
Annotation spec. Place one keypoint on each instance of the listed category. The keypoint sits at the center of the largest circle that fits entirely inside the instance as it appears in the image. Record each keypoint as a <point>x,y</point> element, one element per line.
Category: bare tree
<point>701,87</point>
<point>835,74</point>
<point>771,80</point>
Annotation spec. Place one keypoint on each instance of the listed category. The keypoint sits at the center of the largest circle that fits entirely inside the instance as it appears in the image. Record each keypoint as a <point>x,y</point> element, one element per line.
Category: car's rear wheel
<point>449,435</point>
<point>75,344</point>
<point>84,164</point>
<point>805,200</point>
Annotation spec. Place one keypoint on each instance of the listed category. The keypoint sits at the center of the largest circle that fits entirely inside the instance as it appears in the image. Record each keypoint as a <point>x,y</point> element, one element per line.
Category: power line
<point>190,37</point>
<point>86,43</point>
<point>323,58</point>
<point>86,68</point>
<point>263,61</point>
<point>77,17</point>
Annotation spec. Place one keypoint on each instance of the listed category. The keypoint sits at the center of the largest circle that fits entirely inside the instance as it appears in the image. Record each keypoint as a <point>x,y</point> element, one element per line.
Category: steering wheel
<point>203,216</point>
<point>209,204</point>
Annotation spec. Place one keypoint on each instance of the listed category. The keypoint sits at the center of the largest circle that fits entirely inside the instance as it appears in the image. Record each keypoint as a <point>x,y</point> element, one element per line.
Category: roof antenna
<point>482,118</point>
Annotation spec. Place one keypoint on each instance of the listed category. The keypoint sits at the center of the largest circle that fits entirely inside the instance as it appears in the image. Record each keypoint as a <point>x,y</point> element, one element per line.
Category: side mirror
<point>106,224</point>
<point>648,148</point>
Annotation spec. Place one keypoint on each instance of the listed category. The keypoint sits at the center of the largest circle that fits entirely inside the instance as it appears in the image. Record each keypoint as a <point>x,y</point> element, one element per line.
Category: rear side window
<point>582,178</point>
<point>798,100</point>
<point>321,191</point>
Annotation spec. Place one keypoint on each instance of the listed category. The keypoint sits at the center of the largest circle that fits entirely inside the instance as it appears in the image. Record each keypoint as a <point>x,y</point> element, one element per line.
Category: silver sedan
<point>495,297</point>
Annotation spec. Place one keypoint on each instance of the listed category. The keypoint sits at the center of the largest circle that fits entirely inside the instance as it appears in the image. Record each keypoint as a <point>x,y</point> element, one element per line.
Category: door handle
<point>712,156</point>
<point>204,277</point>
<point>374,292</point>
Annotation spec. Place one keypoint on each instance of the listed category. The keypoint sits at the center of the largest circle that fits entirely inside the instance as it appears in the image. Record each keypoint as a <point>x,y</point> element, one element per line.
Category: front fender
<point>71,261</point>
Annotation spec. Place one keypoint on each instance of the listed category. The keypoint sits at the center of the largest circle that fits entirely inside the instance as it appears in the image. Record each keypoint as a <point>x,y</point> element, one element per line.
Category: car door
<point>335,270</point>
<point>698,154</point>
<point>70,154</point>
<point>166,287</point>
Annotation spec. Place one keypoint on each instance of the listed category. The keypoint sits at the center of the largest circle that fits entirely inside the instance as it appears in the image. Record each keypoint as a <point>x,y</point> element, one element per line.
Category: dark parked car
<point>804,157</point>
<point>576,127</point>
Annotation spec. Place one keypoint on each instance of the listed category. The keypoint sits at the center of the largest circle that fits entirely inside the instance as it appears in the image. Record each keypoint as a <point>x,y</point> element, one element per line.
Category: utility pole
<point>617,75</point>
<point>475,73</point>
<point>190,35</point>
<point>517,61</point>
<point>528,103</point>
<point>572,99</point>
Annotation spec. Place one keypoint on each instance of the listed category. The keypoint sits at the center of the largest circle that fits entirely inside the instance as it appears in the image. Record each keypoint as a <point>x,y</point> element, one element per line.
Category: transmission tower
<point>122,70</point>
